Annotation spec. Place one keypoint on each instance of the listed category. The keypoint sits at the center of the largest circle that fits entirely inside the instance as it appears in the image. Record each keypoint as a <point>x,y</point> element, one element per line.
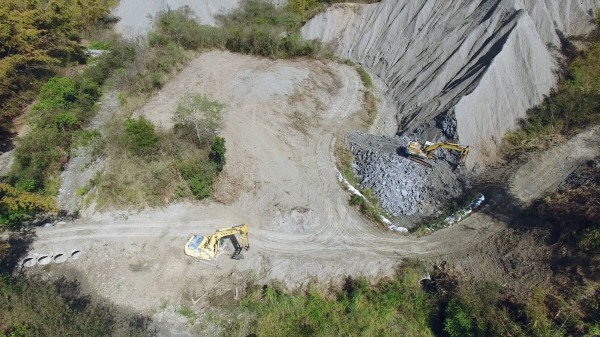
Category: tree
<point>201,114</point>
<point>16,205</point>
<point>217,153</point>
<point>38,35</point>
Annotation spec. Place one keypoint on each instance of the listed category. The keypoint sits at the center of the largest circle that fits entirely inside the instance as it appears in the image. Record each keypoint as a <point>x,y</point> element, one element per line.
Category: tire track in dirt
<point>278,171</point>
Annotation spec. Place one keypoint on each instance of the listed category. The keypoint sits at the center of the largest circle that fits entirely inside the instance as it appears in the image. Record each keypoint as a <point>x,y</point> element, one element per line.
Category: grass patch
<point>60,308</point>
<point>369,100</point>
<point>574,105</point>
<point>187,312</point>
<point>359,308</point>
<point>257,28</point>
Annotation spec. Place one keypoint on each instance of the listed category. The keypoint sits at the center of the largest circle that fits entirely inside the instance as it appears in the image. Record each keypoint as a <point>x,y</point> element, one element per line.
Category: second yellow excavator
<point>208,247</point>
<point>418,152</point>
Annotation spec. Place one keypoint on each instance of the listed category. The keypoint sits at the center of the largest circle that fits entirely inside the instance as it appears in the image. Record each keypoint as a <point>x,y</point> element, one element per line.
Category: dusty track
<point>282,119</point>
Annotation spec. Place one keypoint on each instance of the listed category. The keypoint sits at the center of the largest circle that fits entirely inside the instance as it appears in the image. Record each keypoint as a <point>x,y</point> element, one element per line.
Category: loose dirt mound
<point>465,69</point>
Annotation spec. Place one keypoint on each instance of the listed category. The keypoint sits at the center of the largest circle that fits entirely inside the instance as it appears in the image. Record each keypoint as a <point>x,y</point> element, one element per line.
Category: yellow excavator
<point>208,247</point>
<point>418,152</point>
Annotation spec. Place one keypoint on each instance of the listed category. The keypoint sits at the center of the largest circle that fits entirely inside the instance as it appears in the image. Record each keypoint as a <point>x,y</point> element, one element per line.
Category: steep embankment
<point>136,16</point>
<point>459,69</point>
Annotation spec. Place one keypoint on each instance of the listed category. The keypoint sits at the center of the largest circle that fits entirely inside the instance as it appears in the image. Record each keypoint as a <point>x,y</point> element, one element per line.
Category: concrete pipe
<point>44,260</point>
<point>29,262</point>
<point>76,254</point>
<point>425,279</point>
<point>60,258</point>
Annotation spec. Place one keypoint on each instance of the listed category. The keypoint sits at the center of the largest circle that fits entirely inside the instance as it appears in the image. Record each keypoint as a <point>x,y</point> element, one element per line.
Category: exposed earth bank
<point>280,179</point>
<point>463,70</point>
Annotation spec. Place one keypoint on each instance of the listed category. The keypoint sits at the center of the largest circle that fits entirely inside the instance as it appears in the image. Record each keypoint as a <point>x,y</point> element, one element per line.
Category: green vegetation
<point>392,307</point>
<point>17,205</point>
<point>450,305</point>
<point>59,308</point>
<point>189,313</point>
<point>36,37</point>
<point>153,167</point>
<point>309,8</point>
<point>217,153</point>
<point>140,137</point>
<point>370,101</point>
<point>200,116</point>
<point>368,206</point>
<point>576,104</point>
<point>257,28</point>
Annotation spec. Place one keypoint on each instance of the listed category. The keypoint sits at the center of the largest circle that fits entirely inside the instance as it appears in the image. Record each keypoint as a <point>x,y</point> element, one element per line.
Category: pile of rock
<point>402,186</point>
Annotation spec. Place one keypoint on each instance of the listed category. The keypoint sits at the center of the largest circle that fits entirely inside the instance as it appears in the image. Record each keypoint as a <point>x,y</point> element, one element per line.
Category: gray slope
<point>137,15</point>
<point>459,69</point>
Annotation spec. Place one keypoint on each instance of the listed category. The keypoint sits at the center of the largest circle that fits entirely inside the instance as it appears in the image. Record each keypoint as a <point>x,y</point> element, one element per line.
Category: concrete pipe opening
<point>60,258</point>
<point>76,254</point>
<point>44,260</point>
<point>29,262</point>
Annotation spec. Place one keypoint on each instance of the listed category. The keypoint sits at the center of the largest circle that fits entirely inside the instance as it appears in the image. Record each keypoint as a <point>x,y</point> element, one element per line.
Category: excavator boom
<point>206,248</point>
<point>418,152</point>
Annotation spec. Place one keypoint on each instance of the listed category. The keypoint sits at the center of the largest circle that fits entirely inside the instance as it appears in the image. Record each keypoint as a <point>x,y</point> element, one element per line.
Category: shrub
<point>57,95</point>
<point>217,153</point>
<point>16,205</point>
<point>199,174</point>
<point>140,137</point>
<point>458,322</point>
<point>40,154</point>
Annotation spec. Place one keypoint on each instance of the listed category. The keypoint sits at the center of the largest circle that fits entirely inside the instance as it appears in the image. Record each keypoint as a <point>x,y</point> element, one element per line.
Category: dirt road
<point>281,121</point>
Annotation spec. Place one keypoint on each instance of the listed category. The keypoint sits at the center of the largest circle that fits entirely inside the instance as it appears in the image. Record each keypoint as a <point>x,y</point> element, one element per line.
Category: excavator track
<point>420,161</point>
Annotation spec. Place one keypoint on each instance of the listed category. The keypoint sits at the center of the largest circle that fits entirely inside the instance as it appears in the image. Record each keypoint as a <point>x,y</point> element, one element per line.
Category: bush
<point>140,137</point>
<point>39,155</point>
<point>16,205</point>
<point>199,174</point>
<point>57,95</point>
<point>217,153</point>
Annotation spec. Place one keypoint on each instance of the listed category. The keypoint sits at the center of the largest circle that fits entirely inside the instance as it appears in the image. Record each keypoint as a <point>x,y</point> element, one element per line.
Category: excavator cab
<point>208,247</point>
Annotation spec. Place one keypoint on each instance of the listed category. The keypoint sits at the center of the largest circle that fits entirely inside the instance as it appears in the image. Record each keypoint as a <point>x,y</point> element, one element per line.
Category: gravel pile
<point>402,186</point>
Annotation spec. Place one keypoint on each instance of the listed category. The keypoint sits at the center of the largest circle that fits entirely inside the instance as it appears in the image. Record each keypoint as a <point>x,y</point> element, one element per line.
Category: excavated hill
<point>463,69</point>
<point>136,16</point>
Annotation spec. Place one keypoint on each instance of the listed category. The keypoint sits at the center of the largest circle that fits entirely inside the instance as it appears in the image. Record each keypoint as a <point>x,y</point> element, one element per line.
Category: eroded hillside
<point>462,70</point>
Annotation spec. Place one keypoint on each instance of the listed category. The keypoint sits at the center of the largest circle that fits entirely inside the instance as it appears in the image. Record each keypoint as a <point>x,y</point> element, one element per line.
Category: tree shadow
<point>19,242</point>
<point>6,139</point>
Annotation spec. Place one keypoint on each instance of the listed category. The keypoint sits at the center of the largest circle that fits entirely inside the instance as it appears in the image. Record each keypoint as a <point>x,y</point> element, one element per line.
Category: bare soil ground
<point>281,122</point>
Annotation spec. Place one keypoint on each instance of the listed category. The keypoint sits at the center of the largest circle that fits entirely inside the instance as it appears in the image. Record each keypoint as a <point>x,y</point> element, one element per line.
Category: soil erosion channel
<point>281,121</point>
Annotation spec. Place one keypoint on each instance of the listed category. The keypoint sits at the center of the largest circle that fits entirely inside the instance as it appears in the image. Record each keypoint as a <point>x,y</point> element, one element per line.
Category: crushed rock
<point>403,186</point>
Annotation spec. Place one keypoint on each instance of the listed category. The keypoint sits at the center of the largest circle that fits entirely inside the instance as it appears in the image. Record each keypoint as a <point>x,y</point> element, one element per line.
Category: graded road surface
<point>282,119</point>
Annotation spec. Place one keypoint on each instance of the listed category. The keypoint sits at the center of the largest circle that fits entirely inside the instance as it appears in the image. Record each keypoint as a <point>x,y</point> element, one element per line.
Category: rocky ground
<point>403,187</point>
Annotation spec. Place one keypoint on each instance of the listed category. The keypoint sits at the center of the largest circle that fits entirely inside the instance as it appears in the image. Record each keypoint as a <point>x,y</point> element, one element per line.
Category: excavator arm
<point>206,248</point>
<point>463,149</point>
<point>417,152</point>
